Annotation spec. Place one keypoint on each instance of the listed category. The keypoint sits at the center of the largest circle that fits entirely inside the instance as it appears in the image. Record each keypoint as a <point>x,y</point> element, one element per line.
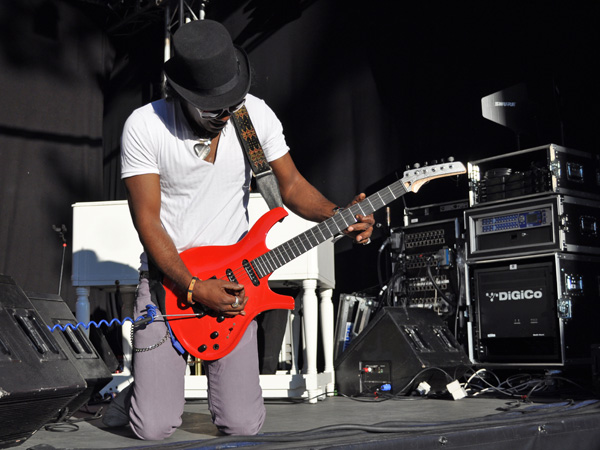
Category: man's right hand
<point>221,295</point>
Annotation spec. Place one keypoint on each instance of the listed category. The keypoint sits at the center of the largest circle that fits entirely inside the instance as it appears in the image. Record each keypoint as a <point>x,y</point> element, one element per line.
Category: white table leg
<point>311,329</point>
<point>327,336</point>
<point>295,323</point>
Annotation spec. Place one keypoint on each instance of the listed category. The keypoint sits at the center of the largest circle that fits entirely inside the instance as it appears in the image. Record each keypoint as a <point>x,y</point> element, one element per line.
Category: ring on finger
<point>236,303</point>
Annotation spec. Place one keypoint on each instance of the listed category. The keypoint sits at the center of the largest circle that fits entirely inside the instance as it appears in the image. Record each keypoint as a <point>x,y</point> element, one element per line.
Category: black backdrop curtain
<point>362,90</point>
<point>54,62</point>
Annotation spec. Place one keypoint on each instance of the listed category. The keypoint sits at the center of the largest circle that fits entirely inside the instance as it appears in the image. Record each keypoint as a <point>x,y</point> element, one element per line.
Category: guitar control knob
<point>216,347</point>
<point>220,318</point>
<point>202,348</point>
<point>214,335</point>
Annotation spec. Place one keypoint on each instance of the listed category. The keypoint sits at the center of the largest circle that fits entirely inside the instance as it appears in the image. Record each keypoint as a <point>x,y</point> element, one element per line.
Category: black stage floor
<point>339,422</point>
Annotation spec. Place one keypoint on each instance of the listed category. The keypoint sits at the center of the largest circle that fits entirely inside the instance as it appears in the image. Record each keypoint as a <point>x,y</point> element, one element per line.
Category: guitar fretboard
<point>297,246</point>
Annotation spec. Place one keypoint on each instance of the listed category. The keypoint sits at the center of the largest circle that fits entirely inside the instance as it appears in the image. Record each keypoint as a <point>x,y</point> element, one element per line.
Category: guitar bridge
<point>251,273</point>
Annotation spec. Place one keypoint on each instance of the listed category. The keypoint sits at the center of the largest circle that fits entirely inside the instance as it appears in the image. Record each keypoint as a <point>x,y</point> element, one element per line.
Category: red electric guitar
<point>209,335</point>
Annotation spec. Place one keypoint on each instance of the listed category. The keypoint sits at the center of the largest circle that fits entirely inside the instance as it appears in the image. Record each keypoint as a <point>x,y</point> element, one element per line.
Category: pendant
<point>202,149</point>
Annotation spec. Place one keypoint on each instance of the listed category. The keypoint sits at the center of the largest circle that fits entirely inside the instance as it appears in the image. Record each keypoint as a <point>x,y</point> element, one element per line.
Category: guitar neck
<point>297,246</point>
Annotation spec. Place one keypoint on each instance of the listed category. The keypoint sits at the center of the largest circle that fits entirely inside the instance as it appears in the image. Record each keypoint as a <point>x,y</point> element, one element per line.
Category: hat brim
<point>210,101</point>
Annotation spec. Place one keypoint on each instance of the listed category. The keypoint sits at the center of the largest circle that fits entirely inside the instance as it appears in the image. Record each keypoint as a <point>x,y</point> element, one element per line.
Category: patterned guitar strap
<point>265,178</point>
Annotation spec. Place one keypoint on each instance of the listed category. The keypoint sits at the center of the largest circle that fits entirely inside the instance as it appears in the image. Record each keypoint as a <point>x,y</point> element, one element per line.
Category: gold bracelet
<point>191,289</point>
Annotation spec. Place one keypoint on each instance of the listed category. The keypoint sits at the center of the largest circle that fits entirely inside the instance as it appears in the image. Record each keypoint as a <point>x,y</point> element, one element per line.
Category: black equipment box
<point>537,310</point>
<point>397,350</point>
<point>37,379</point>
<point>536,171</point>
<point>435,212</point>
<point>537,225</point>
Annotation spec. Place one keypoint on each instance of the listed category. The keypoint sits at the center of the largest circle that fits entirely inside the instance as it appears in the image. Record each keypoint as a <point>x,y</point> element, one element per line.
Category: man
<point>188,185</point>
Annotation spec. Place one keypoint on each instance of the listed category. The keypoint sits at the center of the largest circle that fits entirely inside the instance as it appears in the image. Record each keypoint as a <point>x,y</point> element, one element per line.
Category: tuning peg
<point>450,158</point>
<point>434,161</point>
<point>416,165</point>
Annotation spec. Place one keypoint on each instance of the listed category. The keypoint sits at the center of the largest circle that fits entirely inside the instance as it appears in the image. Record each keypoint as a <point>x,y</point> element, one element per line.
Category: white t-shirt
<point>201,203</point>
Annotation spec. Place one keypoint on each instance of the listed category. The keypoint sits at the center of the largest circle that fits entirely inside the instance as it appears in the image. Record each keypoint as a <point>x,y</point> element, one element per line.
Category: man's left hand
<point>361,231</point>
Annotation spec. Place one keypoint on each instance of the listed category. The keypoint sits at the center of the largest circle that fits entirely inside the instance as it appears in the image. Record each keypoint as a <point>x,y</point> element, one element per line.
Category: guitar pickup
<point>231,276</point>
<point>251,273</point>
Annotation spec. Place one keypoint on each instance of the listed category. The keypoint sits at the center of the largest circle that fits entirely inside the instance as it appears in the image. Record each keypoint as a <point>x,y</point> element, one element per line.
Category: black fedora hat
<point>206,68</point>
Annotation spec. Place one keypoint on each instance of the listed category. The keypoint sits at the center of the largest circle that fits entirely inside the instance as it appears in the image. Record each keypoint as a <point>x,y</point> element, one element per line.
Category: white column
<point>327,335</point>
<point>310,309</point>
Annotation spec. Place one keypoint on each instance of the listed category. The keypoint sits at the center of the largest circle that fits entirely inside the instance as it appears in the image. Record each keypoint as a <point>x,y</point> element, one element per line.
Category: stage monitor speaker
<point>76,345</point>
<point>397,350</point>
<point>37,379</point>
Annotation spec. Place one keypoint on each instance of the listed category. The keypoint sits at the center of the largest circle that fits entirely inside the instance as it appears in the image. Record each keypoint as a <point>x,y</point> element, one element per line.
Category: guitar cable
<point>141,320</point>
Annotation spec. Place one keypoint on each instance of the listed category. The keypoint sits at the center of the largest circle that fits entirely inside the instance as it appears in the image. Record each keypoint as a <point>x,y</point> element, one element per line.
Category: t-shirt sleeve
<point>138,155</point>
<point>271,134</point>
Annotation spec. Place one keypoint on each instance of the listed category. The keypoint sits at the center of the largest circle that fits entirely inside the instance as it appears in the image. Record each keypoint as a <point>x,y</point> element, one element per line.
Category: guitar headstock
<point>416,177</point>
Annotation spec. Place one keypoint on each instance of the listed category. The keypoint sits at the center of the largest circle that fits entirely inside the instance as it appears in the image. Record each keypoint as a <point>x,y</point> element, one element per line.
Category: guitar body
<point>213,335</point>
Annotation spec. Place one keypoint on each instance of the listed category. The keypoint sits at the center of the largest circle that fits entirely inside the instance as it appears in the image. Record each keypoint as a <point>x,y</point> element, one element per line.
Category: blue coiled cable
<point>144,319</point>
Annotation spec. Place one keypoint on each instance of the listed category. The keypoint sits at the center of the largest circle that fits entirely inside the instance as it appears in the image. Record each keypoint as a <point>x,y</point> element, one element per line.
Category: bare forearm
<point>143,194</point>
<point>306,201</point>
<point>298,194</point>
<point>160,249</point>
<point>310,204</point>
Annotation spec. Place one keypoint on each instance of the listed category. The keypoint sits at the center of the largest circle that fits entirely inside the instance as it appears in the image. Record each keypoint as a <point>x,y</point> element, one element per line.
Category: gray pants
<point>234,393</point>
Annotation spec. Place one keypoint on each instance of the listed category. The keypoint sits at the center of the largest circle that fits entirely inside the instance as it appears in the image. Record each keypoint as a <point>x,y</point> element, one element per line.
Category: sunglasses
<point>220,113</point>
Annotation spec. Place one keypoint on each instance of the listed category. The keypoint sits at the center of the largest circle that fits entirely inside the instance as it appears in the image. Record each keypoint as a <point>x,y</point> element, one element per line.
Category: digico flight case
<point>534,310</point>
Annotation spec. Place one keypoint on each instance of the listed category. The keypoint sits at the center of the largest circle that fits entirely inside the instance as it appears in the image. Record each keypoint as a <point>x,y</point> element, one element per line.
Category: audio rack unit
<point>552,223</point>
<point>428,256</point>
<point>435,212</point>
<point>544,170</point>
